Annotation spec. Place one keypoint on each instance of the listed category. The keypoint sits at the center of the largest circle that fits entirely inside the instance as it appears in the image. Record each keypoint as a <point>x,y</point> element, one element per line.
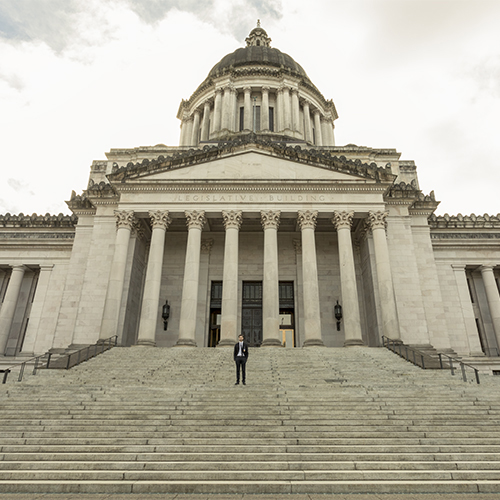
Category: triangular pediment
<point>251,159</point>
<point>250,166</point>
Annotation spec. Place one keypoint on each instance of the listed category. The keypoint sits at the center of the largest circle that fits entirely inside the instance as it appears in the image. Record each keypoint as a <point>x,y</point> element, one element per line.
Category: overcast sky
<point>79,77</point>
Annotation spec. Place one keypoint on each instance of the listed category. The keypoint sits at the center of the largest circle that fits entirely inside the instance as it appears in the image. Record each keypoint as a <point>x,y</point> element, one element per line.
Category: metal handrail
<point>462,367</point>
<point>397,347</point>
<point>104,345</point>
<point>36,366</point>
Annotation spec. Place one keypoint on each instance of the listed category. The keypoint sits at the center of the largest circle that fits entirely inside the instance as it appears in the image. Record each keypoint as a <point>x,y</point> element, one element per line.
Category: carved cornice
<point>270,218</point>
<point>232,219</point>
<point>342,219</point>
<point>80,203</point>
<point>460,221</point>
<point>160,218</point>
<point>101,190</point>
<point>35,220</point>
<point>195,218</point>
<point>125,218</point>
<point>206,246</point>
<point>408,194</point>
<point>307,219</point>
<point>307,156</point>
<point>377,220</point>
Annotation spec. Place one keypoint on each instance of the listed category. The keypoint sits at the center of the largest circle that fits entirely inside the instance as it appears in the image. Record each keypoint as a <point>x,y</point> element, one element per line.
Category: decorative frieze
<point>35,220</point>
<point>377,220</point>
<point>342,219</point>
<point>124,218</point>
<point>160,218</point>
<point>270,218</point>
<point>232,218</point>
<point>307,218</point>
<point>195,218</point>
<point>460,221</point>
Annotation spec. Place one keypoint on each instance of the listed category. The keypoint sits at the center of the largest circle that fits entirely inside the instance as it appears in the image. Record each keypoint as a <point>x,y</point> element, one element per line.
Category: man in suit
<point>240,358</point>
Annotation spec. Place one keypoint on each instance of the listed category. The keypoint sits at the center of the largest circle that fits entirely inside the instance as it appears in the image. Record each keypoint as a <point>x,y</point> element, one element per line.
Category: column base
<point>146,343</point>
<point>185,343</point>
<point>226,343</point>
<point>271,343</point>
<point>353,343</point>
<point>313,343</point>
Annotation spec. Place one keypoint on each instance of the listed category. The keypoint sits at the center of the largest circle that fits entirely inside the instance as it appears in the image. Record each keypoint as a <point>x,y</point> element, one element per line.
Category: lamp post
<point>165,314</point>
<point>338,314</point>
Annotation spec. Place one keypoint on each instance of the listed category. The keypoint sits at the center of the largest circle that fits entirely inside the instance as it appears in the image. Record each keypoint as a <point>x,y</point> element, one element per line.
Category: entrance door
<point>251,314</point>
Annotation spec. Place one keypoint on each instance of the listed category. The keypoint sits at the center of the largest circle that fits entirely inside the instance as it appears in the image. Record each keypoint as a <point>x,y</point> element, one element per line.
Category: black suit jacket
<point>244,350</point>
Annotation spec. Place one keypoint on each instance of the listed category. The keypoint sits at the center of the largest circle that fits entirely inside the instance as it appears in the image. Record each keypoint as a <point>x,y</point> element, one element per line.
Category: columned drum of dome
<point>258,84</point>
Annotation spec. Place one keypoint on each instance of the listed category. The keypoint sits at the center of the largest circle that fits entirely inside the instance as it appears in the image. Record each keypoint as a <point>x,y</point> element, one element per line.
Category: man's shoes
<point>244,383</point>
<point>237,383</point>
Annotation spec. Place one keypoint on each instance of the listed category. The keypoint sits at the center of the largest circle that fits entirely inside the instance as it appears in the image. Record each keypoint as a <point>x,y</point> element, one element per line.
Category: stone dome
<point>258,56</point>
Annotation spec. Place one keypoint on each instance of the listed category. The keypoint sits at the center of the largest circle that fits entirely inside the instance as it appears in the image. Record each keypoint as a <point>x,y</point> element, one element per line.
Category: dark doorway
<point>251,314</point>
<point>215,313</point>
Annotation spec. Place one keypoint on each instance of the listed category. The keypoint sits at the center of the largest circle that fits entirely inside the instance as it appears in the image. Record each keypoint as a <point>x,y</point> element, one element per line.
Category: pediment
<point>251,159</point>
<point>250,166</point>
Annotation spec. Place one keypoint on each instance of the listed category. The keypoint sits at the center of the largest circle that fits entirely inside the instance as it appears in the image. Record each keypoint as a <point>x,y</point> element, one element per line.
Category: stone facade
<point>257,223</point>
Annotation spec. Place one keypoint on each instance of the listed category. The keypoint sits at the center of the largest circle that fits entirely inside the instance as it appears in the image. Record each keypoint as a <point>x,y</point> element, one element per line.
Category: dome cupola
<point>257,89</point>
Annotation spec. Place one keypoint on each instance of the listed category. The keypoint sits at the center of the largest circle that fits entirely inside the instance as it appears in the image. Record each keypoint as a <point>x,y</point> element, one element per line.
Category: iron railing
<point>75,358</point>
<point>418,358</point>
<point>66,362</point>
<point>463,367</point>
<point>37,364</point>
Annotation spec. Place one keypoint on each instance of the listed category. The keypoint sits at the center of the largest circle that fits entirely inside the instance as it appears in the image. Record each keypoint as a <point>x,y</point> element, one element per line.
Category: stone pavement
<point>313,424</point>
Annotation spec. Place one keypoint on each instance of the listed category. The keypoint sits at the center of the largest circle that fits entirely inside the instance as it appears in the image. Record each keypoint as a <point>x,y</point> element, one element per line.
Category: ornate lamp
<point>338,314</point>
<point>165,314</point>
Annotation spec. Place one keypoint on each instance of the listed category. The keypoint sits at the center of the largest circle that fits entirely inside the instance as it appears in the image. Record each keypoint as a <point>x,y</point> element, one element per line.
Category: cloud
<point>62,24</point>
<point>19,186</point>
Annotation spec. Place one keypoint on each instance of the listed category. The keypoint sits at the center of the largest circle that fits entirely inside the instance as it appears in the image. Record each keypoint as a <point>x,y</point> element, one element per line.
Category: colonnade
<point>270,220</point>
<point>220,110</point>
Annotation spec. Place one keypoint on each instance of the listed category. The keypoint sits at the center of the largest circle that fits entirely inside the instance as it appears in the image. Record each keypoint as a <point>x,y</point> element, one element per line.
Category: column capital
<point>46,267</point>
<point>307,218</point>
<point>195,218</point>
<point>265,89</point>
<point>377,220</point>
<point>219,90</point>
<point>232,218</point>
<point>124,218</point>
<point>342,219</point>
<point>247,89</point>
<point>206,246</point>
<point>487,267</point>
<point>160,218</point>
<point>197,112</point>
<point>293,90</point>
<point>270,218</point>
<point>317,112</point>
<point>458,267</point>
<point>18,267</point>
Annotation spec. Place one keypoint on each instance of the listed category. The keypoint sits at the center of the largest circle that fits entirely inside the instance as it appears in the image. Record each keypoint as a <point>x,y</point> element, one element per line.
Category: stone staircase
<point>317,420</point>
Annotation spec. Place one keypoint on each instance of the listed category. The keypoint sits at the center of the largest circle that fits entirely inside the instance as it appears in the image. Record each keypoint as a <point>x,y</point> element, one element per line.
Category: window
<point>271,119</point>
<point>242,119</point>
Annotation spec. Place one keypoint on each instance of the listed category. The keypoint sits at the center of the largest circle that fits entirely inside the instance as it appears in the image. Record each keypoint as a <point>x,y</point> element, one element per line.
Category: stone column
<point>109,325</point>
<point>390,324</point>
<point>217,121</point>
<point>187,326</point>
<point>9,304</point>
<point>312,319</point>
<point>317,127</point>
<point>287,108</point>
<point>307,123</point>
<point>37,310</point>
<point>324,132</point>
<point>270,284</point>
<point>189,131</point>
<point>467,311</point>
<point>151,297</point>
<point>183,141</point>
<point>196,128</point>
<point>493,298</point>
<point>264,109</point>
<point>248,114</point>
<point>350,301</point>
<point>205,132</point>
<point>299,313</point>
<point>280,111</point>
<point>232,222</point>
<point>295,111</point>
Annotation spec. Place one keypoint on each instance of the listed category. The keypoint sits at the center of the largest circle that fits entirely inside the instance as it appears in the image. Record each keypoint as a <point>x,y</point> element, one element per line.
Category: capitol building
<point>259,224</point>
